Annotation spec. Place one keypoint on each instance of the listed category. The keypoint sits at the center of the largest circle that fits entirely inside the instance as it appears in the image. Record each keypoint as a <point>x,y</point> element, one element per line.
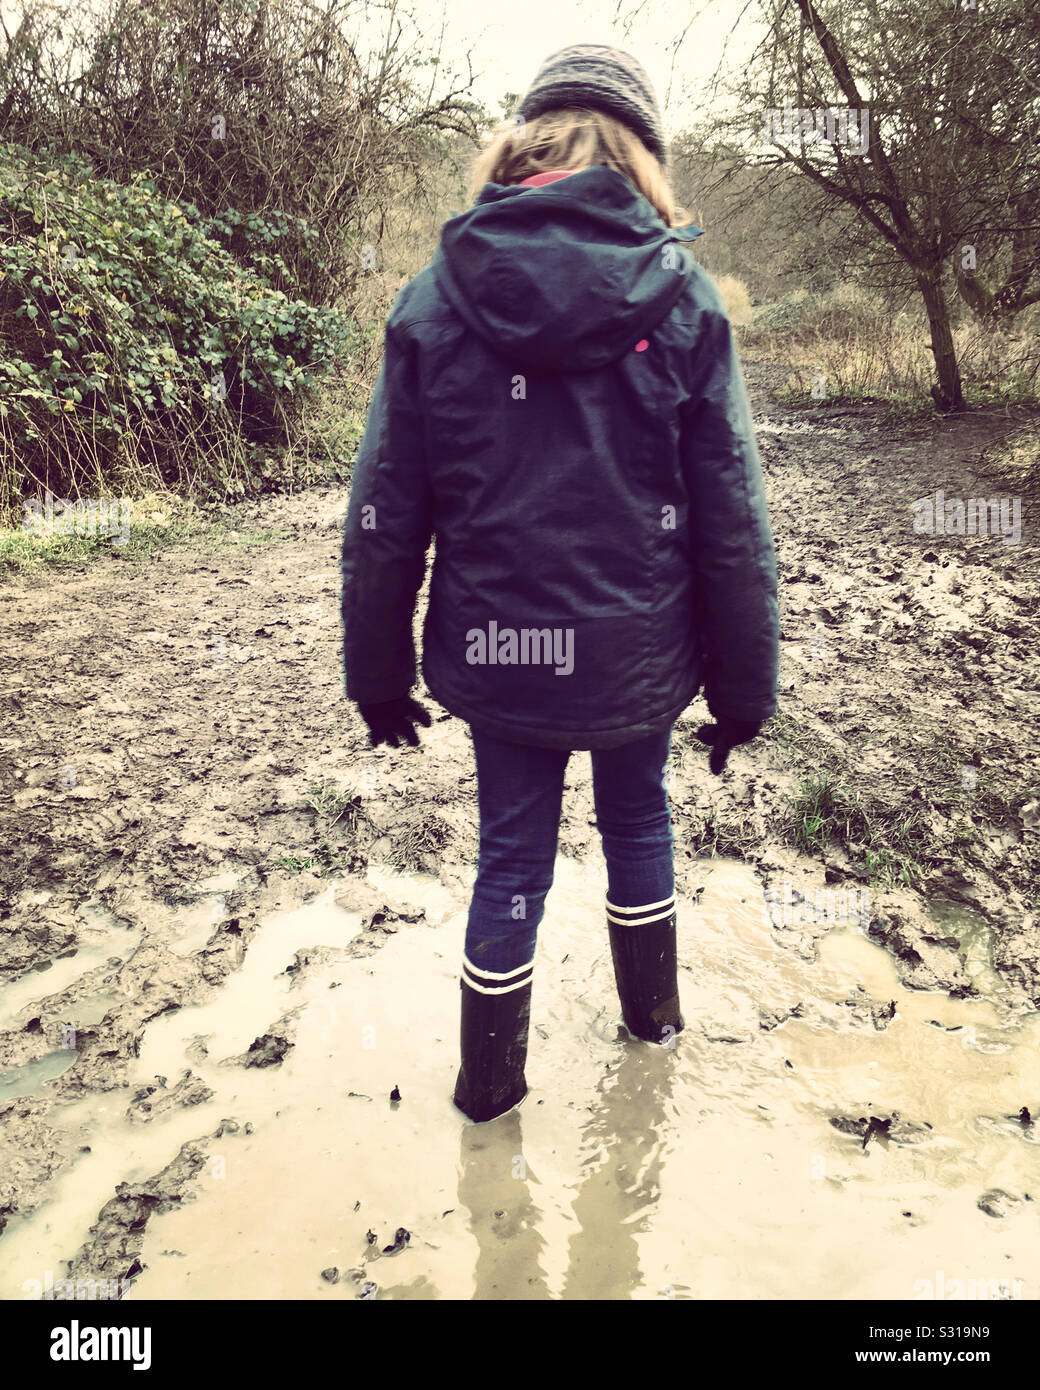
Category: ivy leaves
<point>118,309</point>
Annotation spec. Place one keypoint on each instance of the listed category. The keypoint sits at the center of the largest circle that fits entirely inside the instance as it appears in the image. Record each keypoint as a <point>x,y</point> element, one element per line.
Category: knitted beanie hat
<point>603,78</point>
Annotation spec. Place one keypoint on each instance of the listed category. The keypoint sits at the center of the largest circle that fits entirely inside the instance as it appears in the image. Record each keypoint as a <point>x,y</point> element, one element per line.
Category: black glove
<point>723,736</point>
<point>391,720</point>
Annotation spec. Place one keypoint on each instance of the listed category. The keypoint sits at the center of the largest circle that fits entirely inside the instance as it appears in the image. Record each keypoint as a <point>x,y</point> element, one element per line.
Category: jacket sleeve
<point>731,540</point>
<point>388,528</point>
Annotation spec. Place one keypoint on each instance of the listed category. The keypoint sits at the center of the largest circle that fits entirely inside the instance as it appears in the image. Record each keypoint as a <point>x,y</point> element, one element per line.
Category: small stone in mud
<point>406,911</point>
<point>907,1131</point>
<point>401,1239</point>
<point>371,1237</point>
<point>34,1026</point>
<point>877,1129</point>
<point>247,1128</point>
<point>996,1202</point>
<point>267,1051</point>
<point>894,1128</point>
<point>382,920</point>
<point>357,1206</point>
<point>330,1275</point>
<point>367,1291</point>
<point>1024,1115</point>
<point>152,1101</point>
<point>226,1127</point>
<point>768,1019</point>
<point>395,1094</point>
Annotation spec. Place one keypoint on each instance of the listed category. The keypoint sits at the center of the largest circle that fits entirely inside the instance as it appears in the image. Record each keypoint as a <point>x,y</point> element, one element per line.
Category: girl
<point>561,405</point>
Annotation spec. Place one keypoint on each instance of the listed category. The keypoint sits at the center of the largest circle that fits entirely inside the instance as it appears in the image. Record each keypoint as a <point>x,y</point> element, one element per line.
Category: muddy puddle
<point>102,939</point>
<point>30,1076</point>
<point>818,1131</point>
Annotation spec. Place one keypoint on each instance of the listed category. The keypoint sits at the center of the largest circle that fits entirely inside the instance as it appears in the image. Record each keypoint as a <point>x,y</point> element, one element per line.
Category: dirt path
<point>178,763</point>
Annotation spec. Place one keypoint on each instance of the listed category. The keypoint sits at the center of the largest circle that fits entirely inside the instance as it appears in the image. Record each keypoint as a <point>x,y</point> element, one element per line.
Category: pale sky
<point>509,41</point>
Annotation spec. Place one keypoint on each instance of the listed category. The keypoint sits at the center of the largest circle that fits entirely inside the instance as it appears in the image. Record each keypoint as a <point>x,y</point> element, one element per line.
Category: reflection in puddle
<point>102,938</point>
<point>800,1141</point>
<point>974,937</point>
<point>27,1079</point>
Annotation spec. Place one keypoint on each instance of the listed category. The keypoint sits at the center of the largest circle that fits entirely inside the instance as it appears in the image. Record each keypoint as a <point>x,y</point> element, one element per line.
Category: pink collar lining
<point>549,176</point>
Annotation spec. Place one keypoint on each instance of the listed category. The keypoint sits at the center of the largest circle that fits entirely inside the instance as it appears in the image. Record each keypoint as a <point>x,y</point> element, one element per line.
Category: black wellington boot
<point>495,1020</point>
<point>642,943</point>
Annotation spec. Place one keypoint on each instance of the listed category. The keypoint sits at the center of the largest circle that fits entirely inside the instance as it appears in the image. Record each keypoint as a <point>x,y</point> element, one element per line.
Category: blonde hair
<point>575,137</point>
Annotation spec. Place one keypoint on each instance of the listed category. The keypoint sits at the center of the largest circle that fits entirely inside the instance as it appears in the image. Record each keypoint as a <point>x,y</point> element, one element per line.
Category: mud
<point>825,1156</point>
<point>195,939</point>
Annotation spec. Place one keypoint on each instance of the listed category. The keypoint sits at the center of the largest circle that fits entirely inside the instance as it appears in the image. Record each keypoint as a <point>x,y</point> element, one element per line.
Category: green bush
<point>137,350</point>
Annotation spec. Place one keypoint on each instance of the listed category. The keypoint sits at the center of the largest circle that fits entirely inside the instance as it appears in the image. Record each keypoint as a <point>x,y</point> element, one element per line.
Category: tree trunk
<point>948,392</point>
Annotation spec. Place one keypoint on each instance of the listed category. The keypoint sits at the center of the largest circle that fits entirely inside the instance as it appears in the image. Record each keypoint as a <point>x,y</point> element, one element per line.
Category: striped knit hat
<point>603,78</point>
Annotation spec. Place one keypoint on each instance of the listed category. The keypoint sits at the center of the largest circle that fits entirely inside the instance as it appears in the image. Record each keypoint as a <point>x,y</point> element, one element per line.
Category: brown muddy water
<point>711,1169</point>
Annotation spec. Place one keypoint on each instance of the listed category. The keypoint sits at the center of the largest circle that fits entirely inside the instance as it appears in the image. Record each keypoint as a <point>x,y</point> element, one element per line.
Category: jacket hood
<point>565,276</point>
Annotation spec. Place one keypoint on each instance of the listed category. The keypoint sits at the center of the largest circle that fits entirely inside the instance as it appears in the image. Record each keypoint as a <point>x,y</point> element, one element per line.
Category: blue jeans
<point>520,792</point>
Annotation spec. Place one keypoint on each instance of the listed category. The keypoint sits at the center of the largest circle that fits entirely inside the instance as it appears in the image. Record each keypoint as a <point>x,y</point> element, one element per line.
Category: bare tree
<point>919,117</point>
